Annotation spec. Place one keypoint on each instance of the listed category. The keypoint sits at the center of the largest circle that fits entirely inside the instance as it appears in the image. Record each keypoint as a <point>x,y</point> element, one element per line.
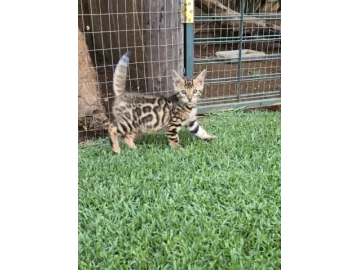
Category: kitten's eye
<point>183,92</point>
<point>194,91</point>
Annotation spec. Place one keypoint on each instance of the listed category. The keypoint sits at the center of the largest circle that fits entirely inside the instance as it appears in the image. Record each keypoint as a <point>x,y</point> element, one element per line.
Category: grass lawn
<point>215,205</point>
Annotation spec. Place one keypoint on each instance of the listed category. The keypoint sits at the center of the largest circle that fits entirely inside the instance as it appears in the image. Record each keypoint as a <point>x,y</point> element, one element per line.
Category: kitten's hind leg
<point>114,140</point>
<point>199,132</point>
<point>129,140</point>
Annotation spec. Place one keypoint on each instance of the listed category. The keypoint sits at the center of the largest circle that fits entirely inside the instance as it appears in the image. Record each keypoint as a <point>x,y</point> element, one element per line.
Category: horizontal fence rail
<point>241,51</point>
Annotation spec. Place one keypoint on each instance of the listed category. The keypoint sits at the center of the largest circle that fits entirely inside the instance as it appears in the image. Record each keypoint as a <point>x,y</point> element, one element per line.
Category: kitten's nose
<point>189,99</point>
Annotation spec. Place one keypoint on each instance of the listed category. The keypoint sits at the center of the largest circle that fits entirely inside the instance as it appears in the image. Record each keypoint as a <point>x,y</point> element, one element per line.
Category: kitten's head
<point>188,90</point>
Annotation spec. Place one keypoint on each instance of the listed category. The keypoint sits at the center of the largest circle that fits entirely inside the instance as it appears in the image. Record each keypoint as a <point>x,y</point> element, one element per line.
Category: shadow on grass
<point>161,141</point>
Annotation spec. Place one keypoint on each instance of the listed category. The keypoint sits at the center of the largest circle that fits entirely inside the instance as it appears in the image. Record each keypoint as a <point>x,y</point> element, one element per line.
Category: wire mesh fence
<point>151,30</point>
<point>240,47</point>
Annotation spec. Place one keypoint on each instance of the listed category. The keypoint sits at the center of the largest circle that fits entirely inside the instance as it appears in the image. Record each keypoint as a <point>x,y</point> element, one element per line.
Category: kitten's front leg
<point>199,132</point>
<point>172,133</point>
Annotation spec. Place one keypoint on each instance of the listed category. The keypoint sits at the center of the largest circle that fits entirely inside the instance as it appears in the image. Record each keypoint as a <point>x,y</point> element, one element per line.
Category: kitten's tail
<point>120,74</point>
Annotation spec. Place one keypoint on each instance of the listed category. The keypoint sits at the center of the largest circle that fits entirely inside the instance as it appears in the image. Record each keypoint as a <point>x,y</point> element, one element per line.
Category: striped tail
<point>120,74</point>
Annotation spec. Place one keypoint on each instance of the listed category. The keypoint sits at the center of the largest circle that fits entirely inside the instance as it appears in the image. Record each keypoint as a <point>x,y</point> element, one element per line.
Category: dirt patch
<point>273,108</point>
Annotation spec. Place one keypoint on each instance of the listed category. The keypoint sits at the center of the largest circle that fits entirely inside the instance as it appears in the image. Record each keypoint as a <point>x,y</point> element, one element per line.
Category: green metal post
<point>189,49</point>
<point>187,17</point>
<point>240,48</point>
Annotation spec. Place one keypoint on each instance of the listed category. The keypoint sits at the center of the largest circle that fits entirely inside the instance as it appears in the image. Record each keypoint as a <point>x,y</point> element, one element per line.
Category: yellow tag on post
<point>187,11</point>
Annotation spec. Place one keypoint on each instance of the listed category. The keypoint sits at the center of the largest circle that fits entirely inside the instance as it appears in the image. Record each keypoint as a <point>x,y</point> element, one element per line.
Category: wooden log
<point>155,40</point>
<point>235,54</point>
<point>113,28</point>
<point>90,110</point>
<point>164,43</point>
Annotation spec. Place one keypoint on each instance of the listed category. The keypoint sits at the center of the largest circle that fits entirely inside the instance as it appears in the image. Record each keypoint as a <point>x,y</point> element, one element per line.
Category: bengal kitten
<point>136,113</point>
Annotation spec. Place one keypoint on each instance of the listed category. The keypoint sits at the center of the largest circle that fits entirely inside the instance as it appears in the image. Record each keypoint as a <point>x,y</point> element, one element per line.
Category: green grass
<point>215,205</point>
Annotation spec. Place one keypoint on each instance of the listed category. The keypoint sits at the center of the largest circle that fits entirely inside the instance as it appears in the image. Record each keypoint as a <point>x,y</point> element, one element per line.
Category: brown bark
<point>164,44</point>
<point>110,35</point>
<point>151,30</point>
<point>253,27</point>
<point>90,110</point>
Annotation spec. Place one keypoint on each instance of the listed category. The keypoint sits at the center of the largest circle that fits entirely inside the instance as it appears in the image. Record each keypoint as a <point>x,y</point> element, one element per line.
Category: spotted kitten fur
<point>135,113</point>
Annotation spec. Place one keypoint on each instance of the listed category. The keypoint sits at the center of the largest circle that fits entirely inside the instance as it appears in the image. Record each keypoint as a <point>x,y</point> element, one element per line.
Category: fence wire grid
<point>221,29</point>
<point>153,32</point>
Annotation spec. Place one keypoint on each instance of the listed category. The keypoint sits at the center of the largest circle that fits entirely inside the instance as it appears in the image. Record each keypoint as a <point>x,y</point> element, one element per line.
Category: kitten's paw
<point>116,153</point>
<point>174,145</point>
<point>210,138</point>
<point>178,148</point>
<point>116,150</point>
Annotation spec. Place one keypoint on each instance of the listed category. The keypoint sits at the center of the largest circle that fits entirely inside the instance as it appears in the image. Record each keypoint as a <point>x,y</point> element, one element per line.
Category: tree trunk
<point>119,28</point>
<point>164,43</point>
<point>90,110</point>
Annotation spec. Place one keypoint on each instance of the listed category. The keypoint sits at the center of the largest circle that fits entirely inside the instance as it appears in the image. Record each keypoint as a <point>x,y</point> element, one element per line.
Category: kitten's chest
<point>189,116</point>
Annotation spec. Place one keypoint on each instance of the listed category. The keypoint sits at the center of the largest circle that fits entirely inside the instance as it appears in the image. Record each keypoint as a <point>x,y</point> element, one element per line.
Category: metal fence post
<point>187,17</point>
<point>240,48</point>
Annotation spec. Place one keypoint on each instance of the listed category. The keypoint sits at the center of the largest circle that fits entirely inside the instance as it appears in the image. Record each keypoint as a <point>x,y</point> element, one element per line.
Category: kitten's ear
<point>200,79</point>
<point>177,79</point>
